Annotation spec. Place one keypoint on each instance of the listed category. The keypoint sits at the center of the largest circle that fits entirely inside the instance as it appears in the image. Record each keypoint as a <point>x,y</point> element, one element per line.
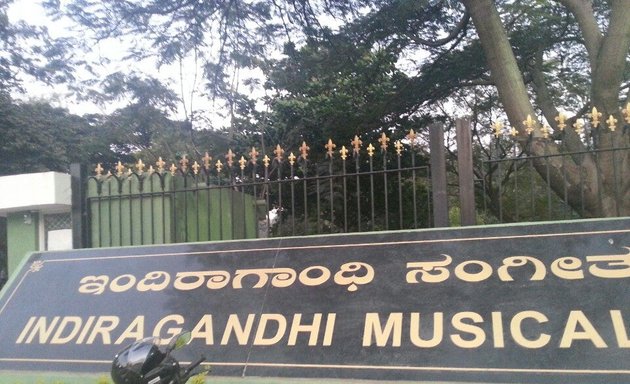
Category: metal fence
<point>350,189</point>
<point>516,186</point>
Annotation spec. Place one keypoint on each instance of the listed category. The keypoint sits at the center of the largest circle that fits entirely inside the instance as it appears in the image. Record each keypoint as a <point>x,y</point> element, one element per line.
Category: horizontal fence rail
<point>524,194</point>
<point>350,190</point>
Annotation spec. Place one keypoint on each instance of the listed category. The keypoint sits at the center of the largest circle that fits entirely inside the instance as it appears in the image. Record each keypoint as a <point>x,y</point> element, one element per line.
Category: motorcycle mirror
<point>180,340</point>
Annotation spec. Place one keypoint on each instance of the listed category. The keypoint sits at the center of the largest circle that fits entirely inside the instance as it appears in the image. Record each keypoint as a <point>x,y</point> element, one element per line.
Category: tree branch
<point>585,16</point>
<point>461,25</point>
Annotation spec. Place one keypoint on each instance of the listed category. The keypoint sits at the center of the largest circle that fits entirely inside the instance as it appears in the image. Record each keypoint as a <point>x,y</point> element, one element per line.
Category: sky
<point>32,12</point>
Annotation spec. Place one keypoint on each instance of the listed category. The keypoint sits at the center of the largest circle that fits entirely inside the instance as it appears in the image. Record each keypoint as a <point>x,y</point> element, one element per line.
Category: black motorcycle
<point>147,362</point>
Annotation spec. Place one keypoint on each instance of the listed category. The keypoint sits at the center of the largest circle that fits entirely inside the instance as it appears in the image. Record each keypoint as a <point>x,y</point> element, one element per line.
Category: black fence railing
<point>519,188</point>
<point>347,190</point>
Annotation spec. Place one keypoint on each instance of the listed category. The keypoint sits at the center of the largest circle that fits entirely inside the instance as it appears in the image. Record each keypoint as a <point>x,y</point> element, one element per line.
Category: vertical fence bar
<point>305,194</point>
<point>370,154</point>
<point>280,181</point>
<point>331,194</point>
<point>78,184</point>
<point>412,138</point>
<point>292,162</point>
<point>357,168</point>
<point>438,176</point>
<point>465,171</point>
<point>385,188</point>
<point>400,199</point>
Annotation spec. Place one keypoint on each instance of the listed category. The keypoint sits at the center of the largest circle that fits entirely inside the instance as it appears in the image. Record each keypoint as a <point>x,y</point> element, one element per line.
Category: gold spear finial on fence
<point>579,126</point>
<point>497,127</point>
<point>561,119</point>
<point>160,164</point>
<point>330,148</point>
<point>513,132</point>
<point>411,136</point>
<point>343,152</point>
<point>612,123</point>
<point>529,124</point>
<point>595,116</point>
<point>206,161</point>
<point>98,170</point>
<point>304,150</point>
<point>219,166</point>
<point>230,158</point>
<point>184,163</point>
<point>370,150</point>
<point>253,155</point>
<point>140,166</point>
<point>383,140</point>
<point>626,112</point>
<point>278,152</point>
<point>196,167</point>
<point>120,169</point>
<point>292,158</point>
<point>399,147</point>
<point>266,161</point>
<point>356,145</point>
<point>242,163</point>
<point>546,130</point>
<point>173,169</point>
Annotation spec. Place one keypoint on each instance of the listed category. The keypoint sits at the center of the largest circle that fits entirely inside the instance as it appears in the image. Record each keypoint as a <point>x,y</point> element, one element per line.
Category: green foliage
<point>29,50</point>
<point>104,380</point>
<point>38,137</point>
<point>198,379</point>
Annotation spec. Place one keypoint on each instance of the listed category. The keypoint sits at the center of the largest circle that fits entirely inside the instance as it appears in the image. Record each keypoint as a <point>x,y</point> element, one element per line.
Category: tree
<point>607,53</point>
<point>26,50</point>
<point>518,49</point>
<point>38,137</point>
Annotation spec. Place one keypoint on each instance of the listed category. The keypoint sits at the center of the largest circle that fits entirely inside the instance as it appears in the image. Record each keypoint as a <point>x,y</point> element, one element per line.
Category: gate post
<point>465,171</point>
<point>438,176</point>
<point>79,210</point>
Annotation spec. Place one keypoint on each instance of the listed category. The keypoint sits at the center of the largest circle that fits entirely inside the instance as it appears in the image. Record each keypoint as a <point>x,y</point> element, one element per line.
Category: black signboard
<point>523,303</point>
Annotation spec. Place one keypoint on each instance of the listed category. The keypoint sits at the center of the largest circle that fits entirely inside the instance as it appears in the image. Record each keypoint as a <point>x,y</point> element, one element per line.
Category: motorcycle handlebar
<point>193,365</point>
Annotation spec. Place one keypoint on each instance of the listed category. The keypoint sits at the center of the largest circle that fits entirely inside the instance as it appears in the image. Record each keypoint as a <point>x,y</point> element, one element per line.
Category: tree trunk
<point>597,185</point>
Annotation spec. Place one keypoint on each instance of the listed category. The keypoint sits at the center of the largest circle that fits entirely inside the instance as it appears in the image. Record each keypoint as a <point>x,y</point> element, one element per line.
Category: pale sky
<point>32,12</point>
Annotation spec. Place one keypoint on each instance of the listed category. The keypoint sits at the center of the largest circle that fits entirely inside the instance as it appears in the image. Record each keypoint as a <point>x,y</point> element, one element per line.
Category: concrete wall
<point>23,236</point>
<point>24,200</point>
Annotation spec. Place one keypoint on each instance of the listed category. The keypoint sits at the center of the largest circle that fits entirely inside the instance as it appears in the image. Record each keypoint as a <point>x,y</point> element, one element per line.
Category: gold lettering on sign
<point>135,330</point>
<point>519,261</point>
<point>517,330</point>
<point>497,330</point>
<point>438,331</point>
<point>485,271</point>
<point>74,322</point>
<point>478,334</point>
<point>282,277</point>
<point>620,329</point>
<point>122,283</point>
<point>170,332</point>
<point>567,268</point>
<point>615,266</point>
<point>381,335</point>
<point>240,332</point>
<point>347,275</point>
<point>203,330</point>
<point>311,329</point>
<point>103,327</point>
<point>154,281</point>
<point>424,268</point>
<point>93,284</point>
<point>306,279</point>
<point>576,320</point>
<point>86,329</point>
<point>281,327</point>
